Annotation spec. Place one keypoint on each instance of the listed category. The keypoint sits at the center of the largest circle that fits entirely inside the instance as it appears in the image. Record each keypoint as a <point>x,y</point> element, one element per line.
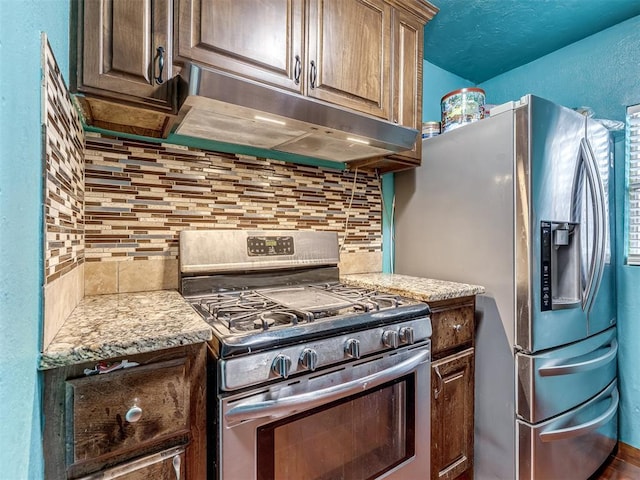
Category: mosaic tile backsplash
<point>114,207</point>
<point>63,198</point>
<point>63,182</point>
<point>139,195</point>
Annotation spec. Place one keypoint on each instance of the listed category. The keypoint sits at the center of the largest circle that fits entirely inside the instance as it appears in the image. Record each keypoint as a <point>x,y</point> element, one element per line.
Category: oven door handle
<point>280,407</point>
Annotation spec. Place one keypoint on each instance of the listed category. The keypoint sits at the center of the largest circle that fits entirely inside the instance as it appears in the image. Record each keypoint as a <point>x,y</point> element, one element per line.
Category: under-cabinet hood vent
<point>224,108</point>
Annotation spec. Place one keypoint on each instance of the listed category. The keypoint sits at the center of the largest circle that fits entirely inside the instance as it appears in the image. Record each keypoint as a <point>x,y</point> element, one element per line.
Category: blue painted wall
<point>20,225</point>
<point>436,83</point>
<point>603,72</point>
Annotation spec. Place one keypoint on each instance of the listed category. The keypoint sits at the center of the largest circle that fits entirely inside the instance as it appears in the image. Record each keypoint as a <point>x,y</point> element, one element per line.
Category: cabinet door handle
<point>297,70</point>
<point>176,465</point>
<point>313,75</point>
<point>438,390</point>
<point>160,51</point>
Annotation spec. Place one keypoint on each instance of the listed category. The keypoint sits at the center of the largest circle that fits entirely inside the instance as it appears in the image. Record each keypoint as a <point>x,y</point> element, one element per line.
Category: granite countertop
<point>108,326</point>
<point>418,288</point>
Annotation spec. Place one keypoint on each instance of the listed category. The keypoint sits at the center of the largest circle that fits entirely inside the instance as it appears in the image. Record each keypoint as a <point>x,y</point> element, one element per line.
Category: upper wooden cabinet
<point>257,40</point>
<point>125,54</point>
<point>407,23</point>
<point>362,55</point>
<point>345,60</point>
<point>349,54</point>
<point>127,50</point>
<point>407,95</point>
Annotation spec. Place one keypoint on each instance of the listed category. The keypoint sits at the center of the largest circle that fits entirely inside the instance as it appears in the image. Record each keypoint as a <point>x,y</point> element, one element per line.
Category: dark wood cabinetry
<point>452,415</point>
<point>406,91</point>
<point>262,41</point>
<point>362,55</point>
<point>125,55</point>
<point>349,54</point>
<point>452,389</point>
<point>147,421</point>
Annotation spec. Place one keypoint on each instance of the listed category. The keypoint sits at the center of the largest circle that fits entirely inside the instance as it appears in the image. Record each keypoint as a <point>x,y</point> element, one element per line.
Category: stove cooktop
<point>246,321</point>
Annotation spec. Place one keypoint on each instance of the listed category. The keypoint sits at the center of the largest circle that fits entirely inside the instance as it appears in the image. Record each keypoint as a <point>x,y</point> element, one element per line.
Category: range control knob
<point>406,335</point>
<point>390,338</point>
<point>309,359</point>
<point>281,366</point>
<point>352,348</point>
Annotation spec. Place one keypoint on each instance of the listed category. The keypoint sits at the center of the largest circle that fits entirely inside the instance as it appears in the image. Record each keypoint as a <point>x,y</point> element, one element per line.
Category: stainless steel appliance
<point>311,378</point>
<point>521,203</point>
<point>226,108</point>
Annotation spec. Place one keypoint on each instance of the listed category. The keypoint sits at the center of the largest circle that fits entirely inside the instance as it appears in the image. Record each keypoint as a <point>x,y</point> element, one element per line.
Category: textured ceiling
<point>480,39</point>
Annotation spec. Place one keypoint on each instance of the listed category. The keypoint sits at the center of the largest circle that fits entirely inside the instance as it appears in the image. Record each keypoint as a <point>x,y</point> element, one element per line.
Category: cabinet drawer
<point>452,327</point>
<point>127,409</point>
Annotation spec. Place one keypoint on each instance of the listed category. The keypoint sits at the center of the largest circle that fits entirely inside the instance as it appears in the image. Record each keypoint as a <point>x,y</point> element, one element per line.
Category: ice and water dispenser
<point>560,265</point>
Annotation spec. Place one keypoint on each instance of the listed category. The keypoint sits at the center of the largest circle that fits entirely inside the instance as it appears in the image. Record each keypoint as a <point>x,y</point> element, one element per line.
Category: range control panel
<point>266,246</point>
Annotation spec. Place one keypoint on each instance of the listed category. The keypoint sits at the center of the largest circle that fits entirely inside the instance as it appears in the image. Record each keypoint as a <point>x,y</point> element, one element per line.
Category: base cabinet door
<point>452,402</point>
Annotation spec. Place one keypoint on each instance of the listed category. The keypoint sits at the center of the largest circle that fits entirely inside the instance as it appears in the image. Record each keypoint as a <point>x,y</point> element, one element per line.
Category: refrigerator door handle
<point>601,221</point>
<point>584,428</point>
<point>567,366</point>
<point>596,264</point>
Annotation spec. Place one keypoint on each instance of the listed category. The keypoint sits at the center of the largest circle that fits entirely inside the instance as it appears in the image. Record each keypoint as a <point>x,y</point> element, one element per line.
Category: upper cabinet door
<point>258,40</point>
<point>349,54</point>
<point>127,49</point>
<point>408,70</point>
<point>407,84</point>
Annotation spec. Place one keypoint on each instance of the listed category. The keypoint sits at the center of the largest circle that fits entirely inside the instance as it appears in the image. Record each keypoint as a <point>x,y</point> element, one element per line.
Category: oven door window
<point>361,436</point>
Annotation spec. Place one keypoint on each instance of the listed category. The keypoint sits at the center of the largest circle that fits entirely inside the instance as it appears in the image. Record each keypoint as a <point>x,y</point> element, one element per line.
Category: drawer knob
<point>134,413</point>
<point>457,327</point>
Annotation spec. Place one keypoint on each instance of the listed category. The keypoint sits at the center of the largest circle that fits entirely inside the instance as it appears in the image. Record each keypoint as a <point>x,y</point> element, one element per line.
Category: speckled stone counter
<point>424,289</point>
<point>107,326</point>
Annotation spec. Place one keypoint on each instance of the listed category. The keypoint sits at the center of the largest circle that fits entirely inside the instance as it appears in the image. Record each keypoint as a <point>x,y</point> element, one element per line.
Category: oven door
<point>363,420</point>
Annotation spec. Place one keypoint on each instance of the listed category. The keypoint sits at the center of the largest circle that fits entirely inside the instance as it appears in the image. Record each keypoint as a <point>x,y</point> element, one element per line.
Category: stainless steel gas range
<point>311,379</point>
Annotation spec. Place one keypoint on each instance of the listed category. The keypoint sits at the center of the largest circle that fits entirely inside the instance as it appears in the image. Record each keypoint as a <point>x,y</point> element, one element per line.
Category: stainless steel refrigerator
<point>522,203</point>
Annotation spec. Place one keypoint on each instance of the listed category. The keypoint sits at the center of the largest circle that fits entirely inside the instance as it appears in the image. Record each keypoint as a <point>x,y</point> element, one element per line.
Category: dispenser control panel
<point>545,266</point>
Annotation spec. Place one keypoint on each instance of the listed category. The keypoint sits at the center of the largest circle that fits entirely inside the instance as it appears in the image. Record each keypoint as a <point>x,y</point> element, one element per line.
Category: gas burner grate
<point>246,311</point>
<point>372,300</point>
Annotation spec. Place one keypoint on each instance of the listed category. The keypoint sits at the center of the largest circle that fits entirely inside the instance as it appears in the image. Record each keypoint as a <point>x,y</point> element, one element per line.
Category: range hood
<point>228,109</point>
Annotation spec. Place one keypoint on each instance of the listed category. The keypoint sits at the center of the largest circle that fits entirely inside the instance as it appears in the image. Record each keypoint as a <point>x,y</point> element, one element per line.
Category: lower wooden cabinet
<point>145,421</point>
<point>452,402</point>
<point>452,388</point>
